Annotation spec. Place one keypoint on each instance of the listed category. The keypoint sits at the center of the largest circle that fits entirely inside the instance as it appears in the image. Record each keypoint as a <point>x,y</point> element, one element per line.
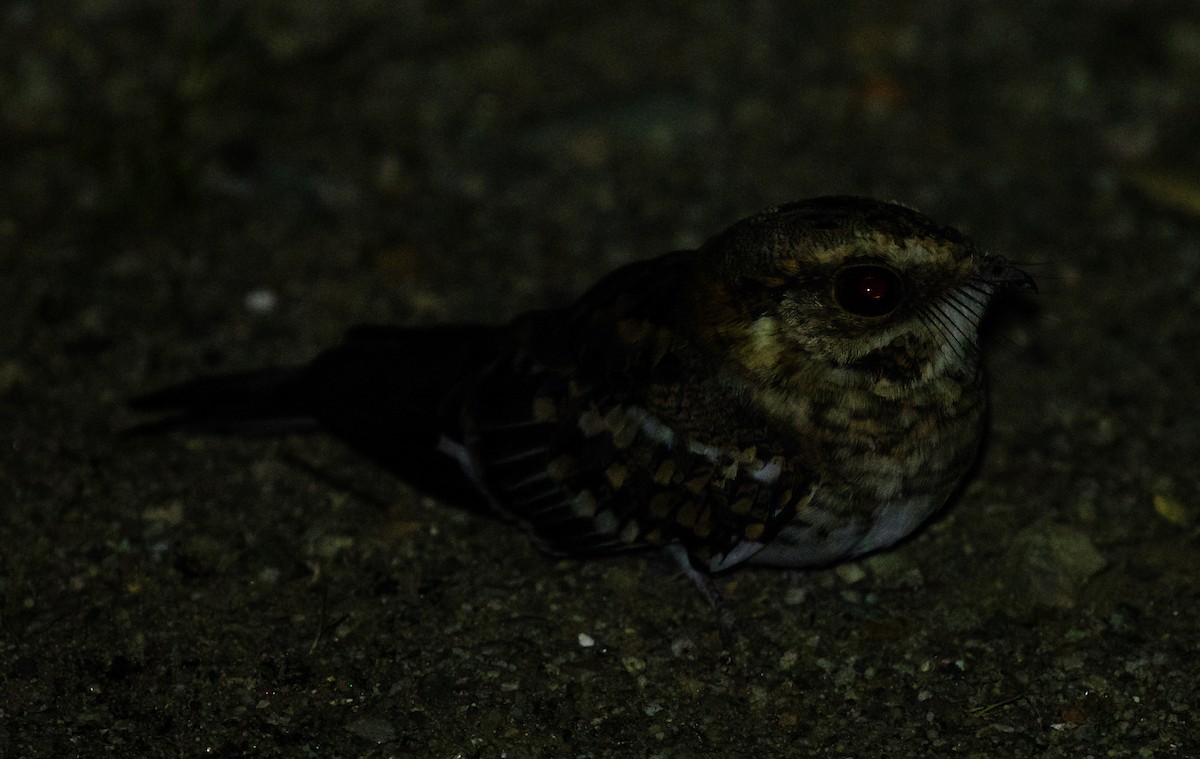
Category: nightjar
<point>803,388</point>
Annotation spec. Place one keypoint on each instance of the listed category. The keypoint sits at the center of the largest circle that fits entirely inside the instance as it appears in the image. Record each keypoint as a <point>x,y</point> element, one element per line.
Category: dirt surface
<point>198,187</point>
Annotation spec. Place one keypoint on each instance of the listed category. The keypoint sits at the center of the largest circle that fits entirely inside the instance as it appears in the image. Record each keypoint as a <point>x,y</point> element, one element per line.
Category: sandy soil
<point>199,187</point>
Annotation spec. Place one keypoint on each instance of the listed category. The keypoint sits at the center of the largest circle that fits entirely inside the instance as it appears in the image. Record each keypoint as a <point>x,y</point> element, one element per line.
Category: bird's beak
<point>996,271</point>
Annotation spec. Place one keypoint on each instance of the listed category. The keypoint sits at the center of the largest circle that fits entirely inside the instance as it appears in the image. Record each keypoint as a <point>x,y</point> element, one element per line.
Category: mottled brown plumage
<point>803,388</point>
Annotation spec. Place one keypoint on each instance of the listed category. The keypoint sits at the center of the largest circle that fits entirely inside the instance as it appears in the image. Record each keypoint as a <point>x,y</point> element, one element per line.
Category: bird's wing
<point>605,434</point>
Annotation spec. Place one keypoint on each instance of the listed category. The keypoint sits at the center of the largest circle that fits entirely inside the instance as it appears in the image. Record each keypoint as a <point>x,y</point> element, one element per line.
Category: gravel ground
<point>197,187</point>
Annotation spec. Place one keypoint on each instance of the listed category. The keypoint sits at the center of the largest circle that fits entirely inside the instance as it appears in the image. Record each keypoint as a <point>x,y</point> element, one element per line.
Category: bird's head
<point>866,290</point>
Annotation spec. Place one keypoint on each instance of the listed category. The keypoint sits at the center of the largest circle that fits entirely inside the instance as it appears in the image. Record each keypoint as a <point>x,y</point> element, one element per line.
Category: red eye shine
<point>873,287</point>
<point>868,289</point>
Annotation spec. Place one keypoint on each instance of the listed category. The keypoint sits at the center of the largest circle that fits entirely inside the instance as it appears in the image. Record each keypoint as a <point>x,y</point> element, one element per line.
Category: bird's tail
<point>258,403</point>
<point>390,393</point>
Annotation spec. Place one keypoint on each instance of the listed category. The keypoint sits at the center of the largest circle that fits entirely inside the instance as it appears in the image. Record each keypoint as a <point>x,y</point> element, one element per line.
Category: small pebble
<point>1048,564</point>
<point>261,300</point>
<point>1171,510</point>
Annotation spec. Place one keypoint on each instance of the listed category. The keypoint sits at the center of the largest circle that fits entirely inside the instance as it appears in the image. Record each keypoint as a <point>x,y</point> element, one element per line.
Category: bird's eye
<point>868,290</point>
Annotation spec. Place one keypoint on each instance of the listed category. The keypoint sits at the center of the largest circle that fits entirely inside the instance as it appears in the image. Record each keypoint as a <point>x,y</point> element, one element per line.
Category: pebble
<point>1048,564</point>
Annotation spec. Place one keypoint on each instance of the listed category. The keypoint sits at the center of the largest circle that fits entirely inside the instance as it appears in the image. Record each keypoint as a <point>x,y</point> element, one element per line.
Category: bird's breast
<point>884,464</point>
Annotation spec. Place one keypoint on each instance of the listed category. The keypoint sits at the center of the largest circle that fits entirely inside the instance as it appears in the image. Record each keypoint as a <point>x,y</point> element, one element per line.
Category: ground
<point>198,187</point>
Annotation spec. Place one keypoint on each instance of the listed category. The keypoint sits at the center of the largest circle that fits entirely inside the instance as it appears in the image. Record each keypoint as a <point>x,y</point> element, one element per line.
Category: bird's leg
<point>711,591</point>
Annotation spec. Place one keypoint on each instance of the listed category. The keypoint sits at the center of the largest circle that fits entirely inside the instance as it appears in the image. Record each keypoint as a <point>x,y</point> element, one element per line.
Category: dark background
<point>194,187</point>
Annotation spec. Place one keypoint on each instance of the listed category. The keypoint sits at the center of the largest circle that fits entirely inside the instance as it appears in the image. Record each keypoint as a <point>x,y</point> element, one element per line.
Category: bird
<point>804,388</point>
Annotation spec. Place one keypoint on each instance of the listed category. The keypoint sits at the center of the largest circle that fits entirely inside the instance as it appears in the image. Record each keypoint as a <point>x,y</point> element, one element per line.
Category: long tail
<point>390,393</point>
<point>266,402</point>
